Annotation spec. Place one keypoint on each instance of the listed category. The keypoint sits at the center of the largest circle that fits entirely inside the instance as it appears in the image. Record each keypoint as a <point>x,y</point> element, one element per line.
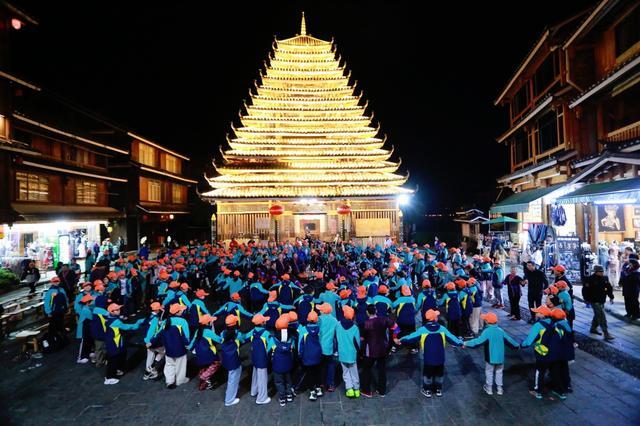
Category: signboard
<point>534,215</point>
<point>610,218</point>
<point>568,249</point>
<point>373,227</point>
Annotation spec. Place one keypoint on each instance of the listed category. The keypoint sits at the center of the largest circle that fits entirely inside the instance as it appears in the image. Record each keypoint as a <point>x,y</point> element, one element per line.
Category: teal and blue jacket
<point>327,325</point>
<point>405,310</point>
<point>493,338</point>
<point>261,343</point>
<point>114,339</point>
<point>348,341</point>
<point>85,314</point>
<point>55,301</point>
<point>432,338</point>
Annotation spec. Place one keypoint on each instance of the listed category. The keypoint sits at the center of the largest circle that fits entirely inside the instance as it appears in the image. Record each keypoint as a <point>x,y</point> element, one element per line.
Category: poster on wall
<point>610,218</point>
<point>568,249</point>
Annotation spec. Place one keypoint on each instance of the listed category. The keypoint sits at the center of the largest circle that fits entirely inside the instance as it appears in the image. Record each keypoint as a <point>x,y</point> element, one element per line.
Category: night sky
<point>177,72</point>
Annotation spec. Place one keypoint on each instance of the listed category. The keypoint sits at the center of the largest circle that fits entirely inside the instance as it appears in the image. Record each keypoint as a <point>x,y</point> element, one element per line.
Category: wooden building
<point>308,146</point>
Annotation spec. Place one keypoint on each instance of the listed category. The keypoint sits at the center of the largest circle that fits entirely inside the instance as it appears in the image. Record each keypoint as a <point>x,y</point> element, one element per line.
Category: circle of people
<point>306,307</point>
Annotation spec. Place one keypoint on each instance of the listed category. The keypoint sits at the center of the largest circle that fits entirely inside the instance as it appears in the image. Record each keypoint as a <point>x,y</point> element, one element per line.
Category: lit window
<point>3,127</point>
<point>32,187</point>
<point>171,164</point>
<point>147,155</point>
<point>86,192</point>
<point>154,190</point>
<point>178,194</point>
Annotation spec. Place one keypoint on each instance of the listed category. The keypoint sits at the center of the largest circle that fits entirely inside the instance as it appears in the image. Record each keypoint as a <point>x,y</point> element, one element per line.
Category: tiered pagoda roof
<point>305,133</point>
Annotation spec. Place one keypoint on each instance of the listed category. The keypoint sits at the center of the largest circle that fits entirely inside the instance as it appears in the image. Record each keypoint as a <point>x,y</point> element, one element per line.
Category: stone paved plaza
<point>62,392</point>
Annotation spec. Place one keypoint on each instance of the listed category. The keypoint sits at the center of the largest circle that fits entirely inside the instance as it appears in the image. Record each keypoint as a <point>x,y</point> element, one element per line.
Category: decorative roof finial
<point>303,26</point>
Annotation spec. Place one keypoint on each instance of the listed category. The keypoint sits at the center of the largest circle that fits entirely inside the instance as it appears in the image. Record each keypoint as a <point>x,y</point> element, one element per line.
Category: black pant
<point>534,300</point>
<point>86,344</point>
<point>538,381</point>
<point>56,323</point>
<point>367,374</point>
<point>558,372</point>
<point>631,305</point>
<point>454,327</point>
<point>310,378</point>
<point>514,304</point>
<point>32,287</point>
<point>115,363</point>
<point>405,330</point>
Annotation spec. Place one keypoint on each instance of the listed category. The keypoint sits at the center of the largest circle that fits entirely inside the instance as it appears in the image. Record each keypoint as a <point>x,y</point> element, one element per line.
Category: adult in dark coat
<point>630,283</point>
<point>595,290</point>
<point>376,346</point>
<point>537,282</point>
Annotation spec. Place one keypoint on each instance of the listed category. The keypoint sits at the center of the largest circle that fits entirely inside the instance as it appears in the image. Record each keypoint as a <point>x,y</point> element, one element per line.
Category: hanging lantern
<point>344,210</point>
<point>276,210</point>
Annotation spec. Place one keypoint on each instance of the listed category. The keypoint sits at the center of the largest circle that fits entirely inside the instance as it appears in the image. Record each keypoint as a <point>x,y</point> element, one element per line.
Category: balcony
<point>623,134</point>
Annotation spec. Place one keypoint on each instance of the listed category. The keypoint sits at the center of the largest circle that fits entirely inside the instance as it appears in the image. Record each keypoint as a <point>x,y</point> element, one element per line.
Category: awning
<point>42,212</point>
<point>502,220</point>
<point>614,192</point>
<point>161,210</point>
<point>519,202</point>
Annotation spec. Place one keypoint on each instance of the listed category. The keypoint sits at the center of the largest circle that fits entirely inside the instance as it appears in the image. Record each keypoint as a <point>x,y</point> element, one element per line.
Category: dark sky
<point>177,72</point>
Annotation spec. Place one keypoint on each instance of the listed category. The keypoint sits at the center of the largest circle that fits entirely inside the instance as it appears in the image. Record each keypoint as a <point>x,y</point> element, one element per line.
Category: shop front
<point>47,243</point>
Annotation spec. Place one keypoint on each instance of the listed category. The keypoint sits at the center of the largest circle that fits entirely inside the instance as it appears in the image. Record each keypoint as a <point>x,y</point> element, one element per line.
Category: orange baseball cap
<point>231,320</point>
<point>552,289</point>
<point>449,286</point>
<point>235,297</point>
<point>184,286</point>
<point>259,319</point>
<point>383,289</point>
<point>250,275</point>
<point>282,322</point>
<point>348,312</point>
<point>176,308</point>
<point>87,284</point>
<point>113,307</point>
<point>405,290</point>
<point>461,283</point>
<point>98,287</point>
<point>236,273</point>
<point>558,314</point>
<point>156,306</point>
<point>344,294</point>
<point>561,285</point>
<point>362,292</point>
<point>54,280</point>
<point>542,310</point>
<point>330,286</point>
<point>426,284</point>
<point>174,284</point>
<point>200,293</point>
<point>325,308</point>
<point>431,315</point>
<point>560,268</point>
<point>285,277</point>
<point>206,319</point>
<point>312,317</point>
<point>319,275</point>
<point>293,317</point>
<point>490,318</point>
<point>273,295</point>
<point>86,298</point>
<point>97,283</point>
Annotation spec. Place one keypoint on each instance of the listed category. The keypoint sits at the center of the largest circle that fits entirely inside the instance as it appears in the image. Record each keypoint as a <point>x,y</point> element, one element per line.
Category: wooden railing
<point>628,132</point>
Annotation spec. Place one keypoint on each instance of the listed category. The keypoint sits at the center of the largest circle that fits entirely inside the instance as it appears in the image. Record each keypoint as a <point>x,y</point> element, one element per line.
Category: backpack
<point>51,342</point>
<point>311,348</point>
<point>282,356</point>
<point>549,345</point>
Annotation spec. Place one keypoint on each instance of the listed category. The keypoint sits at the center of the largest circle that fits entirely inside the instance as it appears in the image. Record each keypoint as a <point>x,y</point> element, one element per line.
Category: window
<point>4,127</point>
<point>521,99</point>
<point>171,164</point>
<point>178,194</point>
<point>549,133</point>
<point>154,190</point>
<point>146,155</point>
<point>628,32</point>
<point>86,192</point>
<point>32,187</point>
<point>521,147</point>
<point>546,74</point>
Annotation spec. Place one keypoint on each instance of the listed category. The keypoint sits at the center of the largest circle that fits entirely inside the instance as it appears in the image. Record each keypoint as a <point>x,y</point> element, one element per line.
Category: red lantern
<point>344,210</point>
<point>276,210</point>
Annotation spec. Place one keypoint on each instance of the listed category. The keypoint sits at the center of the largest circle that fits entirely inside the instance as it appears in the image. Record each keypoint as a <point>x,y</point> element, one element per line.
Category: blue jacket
<point>55,300</point>
<point>327,324</point>
<point>348,341</point>
<point>466,305</point>
<point>232,308</point>
<point>273,311</point>
<point>330,298</point>
<point>493,338</point>
<point>257,292</point>
<point>230,350</point>
<point>233,284</point>
<point>287,292</point>
<point>426,300</point>
<point>476,296</point>
<point>204,344</point>
<point>85,314</point>
<point>432,338</point>
<point>309,346</point>
<point>405,310</point>
<point>282,355</point>
<point>174,336</point>
<point>304,304</point>
<point>197,309</point>
<point>114,340</point>
<point>99,323</point>
<point>451,304</point>
<point>261,343</point>
<point>565,298</point>
<point>361,310</point>
<point>382,304</point>
<point>546,340</point>
<point>153,328</point>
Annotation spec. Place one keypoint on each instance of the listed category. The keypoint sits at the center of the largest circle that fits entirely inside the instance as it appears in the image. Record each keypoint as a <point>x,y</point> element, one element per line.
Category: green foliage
<point>8,280</point>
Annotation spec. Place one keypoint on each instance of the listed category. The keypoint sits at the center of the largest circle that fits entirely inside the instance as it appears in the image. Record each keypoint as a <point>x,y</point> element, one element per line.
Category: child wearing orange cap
<point>327,323</point>
<point>452,308</point>
<point>426,299</point>
<point>559,365</point>
<point>331,297</point>
<point>55,306</point>
<point>232,307</point>
<point>310,353</point>
<point>540,335</point>
<point>261,343</point>
<point>287,291</point>
<point>234,284</point>
<point>382,302</point>
<point>205,351</point>
<point>282,358</point>
<point>98,324</point>
<point>198,308</point>
<point>348,343</point>
<point>361,303</point>
<point>432,337</point>
<point>175,338</point>
<point>230,341</point>
<point>83,330</point>
<point>155,353</point>
<point>493,339</point>
<point>114,343</point>
<point>304,304</point>
<point>273,309</point>
<point>405,310</point>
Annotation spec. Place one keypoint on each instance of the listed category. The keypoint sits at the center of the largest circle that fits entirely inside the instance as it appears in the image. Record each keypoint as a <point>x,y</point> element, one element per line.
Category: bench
<point>31,337</point>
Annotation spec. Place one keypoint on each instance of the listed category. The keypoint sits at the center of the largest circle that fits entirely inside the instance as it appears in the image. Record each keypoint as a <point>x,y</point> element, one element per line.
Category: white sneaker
<point>234,402</point>
<point>111,381</point>
<point>487,389</point>
<point>499,391</point>
<point>119,373</point>
<point>266,401</point>
<point>82,361</point>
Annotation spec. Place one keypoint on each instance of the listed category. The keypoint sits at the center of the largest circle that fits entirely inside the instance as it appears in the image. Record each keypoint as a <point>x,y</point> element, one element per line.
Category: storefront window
<point>32,187</point>
<point>154,191</point>
<point>178,197</point>
<point>86,192</point>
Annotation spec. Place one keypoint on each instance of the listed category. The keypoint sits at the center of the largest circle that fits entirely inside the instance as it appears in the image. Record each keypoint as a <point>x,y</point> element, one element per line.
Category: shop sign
<point>534,215</point>
<point>568,249</point>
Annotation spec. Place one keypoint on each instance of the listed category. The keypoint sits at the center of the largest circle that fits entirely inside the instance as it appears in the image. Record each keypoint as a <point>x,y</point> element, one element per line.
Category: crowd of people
<point>307,308</point>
